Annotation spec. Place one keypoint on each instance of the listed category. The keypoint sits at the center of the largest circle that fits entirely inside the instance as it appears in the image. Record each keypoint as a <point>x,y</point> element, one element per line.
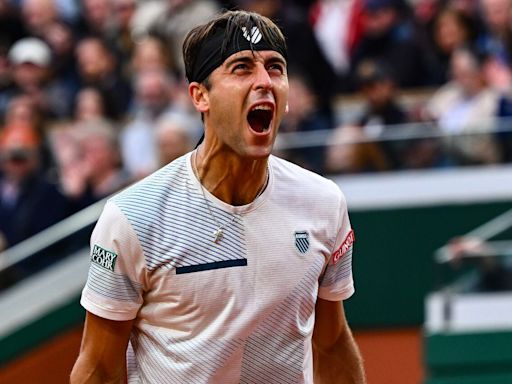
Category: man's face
<point>18,163</point>
<point>246,102</point>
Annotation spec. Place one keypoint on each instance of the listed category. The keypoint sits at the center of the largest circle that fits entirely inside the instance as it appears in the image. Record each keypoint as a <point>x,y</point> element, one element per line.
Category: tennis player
<point>228,265</point>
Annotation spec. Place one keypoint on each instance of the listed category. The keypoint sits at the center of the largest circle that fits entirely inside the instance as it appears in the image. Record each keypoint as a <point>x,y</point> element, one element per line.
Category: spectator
<point>496,39</point>
<point>60,37</point>
<point>97,18</point>
<point>389,37</point>
<point>451,29</point>
<point>91,105</point>
<point>38,15</point>
<point>31,61</point>
<point>97,67</point>
<point>337,26</point>
<point>21,110</point>
<point>92,170</point>
<point>29,202</point>
<point>352,152</point>
<point>175,19</point>
<point>383,115</point>
<point>138,145</point>
<point>150,53</point>
<point>121,38</point>
<point>174,137</point>
<point>466,108</point>
<point>304,115</point>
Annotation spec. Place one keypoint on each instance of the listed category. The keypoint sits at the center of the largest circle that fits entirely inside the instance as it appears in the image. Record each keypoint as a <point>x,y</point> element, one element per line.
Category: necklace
<point>219,232</point>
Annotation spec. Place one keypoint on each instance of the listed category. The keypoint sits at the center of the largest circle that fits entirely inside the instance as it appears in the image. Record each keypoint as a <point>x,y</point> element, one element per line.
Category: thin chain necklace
<point>219,232</point>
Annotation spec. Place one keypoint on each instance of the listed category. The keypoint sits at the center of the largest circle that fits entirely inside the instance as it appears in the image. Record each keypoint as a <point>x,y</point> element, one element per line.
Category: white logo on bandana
<point>254,36</point>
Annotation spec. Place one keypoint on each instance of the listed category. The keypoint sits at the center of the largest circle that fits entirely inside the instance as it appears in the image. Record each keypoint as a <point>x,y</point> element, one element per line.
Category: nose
<point>262,80</point>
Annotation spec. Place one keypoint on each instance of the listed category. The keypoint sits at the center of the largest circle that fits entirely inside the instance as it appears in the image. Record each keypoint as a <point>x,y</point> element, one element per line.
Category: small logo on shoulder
<point>302,241</point>
<point>344,247</point>
<point>103,257</point>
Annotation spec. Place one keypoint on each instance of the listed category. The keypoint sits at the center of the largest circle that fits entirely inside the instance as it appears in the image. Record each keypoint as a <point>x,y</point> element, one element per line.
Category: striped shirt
<point>240,310</point>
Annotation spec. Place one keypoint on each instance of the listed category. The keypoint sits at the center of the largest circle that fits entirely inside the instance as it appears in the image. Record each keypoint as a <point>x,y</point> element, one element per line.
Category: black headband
<point>216,49</point>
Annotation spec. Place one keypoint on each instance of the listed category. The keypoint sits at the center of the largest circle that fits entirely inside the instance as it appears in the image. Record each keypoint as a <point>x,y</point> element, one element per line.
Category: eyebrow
<point>248,58</point>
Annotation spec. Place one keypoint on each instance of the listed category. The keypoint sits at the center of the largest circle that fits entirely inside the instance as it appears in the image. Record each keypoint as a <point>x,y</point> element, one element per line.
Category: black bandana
<point>216,49</point>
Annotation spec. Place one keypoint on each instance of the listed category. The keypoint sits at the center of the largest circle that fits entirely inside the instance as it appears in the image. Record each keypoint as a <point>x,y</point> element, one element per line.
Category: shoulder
<point>301,183</point>
<point>149,194</point>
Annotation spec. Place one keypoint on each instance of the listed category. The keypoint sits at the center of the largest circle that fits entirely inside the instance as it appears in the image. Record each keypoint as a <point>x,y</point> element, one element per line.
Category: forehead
<point>262,56</point>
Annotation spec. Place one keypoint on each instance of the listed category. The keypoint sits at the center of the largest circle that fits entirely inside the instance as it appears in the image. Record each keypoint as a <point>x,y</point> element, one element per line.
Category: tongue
<point>258,120</point>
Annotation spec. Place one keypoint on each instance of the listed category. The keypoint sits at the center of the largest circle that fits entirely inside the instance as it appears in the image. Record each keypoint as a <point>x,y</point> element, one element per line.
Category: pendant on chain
<point>217,235</point>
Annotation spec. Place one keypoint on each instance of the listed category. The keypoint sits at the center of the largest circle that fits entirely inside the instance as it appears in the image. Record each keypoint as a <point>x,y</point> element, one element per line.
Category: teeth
<point>262,107</point>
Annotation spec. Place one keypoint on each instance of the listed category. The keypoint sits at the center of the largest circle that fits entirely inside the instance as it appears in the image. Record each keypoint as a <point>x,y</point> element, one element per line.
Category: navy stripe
<point>209,266</point>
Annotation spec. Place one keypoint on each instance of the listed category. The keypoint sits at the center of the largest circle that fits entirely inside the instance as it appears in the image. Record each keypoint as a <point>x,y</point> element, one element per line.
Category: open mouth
<point>260,117</point>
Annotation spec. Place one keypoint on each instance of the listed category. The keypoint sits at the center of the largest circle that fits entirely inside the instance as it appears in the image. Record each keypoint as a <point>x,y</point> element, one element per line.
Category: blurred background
<point>405,104</point>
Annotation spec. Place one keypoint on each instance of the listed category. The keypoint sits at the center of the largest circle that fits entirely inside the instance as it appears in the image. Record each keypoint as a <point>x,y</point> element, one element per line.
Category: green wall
<point>393,258</point>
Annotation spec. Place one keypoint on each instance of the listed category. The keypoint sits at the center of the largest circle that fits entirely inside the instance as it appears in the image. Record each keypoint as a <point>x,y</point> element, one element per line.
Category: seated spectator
<point>37,15</point>
<point>97,18</point>
<point>451,29</point>
<point>465,108</point>
<point>496,38</point>
<point>91,104</point>
<point>92,169</point>
<point>138,144</point>
<point>173,21</point>
<point>29,202</point>
<point>97,67</point>
<point>382,111</point>
<point>304,115</point>
<point>337,26</point>
<point>351,151</point>
<point>389,37</point>
<point>31,61</point>
<point>21,110</point>
<point>174,137</point>
<point>150,53</point>
<point>384,116</point>
<point>61,38</point>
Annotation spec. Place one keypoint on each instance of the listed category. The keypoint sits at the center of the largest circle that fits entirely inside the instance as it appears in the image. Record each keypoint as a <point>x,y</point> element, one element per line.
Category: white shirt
<point>237,311</point>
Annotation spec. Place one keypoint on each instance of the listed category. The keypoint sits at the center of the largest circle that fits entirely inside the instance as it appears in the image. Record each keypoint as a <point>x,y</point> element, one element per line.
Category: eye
<point>240,67</point>
<point>276,68</point>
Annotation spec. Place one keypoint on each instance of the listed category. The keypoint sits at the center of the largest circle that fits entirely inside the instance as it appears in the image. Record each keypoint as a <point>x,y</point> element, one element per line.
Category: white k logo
<point>254,36</point>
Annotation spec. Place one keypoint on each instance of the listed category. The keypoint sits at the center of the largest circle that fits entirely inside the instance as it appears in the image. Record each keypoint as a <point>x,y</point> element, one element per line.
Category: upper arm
<point>103,351</point>
<point>330,324</point>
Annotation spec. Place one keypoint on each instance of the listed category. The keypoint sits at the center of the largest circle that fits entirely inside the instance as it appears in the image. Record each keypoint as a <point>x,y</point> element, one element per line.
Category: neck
<point>231,179</point>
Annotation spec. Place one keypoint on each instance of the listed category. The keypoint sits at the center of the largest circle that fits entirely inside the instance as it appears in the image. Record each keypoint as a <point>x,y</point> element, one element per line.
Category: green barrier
<point>467,358</point>
<point>24,339</point>
<point>393,259</point>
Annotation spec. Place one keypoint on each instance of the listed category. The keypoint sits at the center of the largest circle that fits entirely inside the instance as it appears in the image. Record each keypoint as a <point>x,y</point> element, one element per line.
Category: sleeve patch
<point>344,247</point>
<point>103,257</point>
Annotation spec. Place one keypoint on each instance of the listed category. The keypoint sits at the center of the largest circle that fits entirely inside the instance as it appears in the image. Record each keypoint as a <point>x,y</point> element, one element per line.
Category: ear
<point>199,95</point>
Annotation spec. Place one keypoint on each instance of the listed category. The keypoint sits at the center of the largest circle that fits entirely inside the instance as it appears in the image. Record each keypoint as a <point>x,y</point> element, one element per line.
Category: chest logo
<point>302,241</point>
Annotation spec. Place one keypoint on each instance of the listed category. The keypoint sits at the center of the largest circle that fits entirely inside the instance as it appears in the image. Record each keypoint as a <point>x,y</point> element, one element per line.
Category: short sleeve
<point>116,279</point>
<point>336,282</point>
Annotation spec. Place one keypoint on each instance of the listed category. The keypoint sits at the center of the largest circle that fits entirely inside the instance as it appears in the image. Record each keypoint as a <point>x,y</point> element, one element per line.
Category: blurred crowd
<point>93,96</point>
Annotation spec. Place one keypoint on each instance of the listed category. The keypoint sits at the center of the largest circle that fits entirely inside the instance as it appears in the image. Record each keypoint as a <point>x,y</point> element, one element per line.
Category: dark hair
<point>231,22</point>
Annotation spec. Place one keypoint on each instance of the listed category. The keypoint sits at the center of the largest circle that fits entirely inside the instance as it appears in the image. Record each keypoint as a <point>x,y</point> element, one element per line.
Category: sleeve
<point>336,282</point>
<point>117,272</point>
